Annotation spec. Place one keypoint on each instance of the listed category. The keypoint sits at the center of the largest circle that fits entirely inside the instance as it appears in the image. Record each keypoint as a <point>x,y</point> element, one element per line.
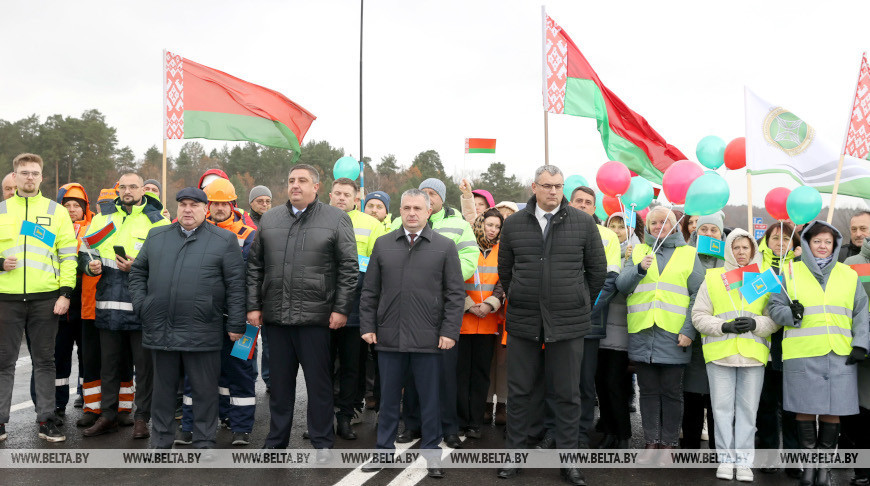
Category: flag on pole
<point>94,240</point>
<point>858,135</point>
<point>863,270</point>
<point>734,278</point>
<point>38,232</point>
<point>778,141</point>
<point>480,145</point>
<point>572,87</point>
<point>201,102</point>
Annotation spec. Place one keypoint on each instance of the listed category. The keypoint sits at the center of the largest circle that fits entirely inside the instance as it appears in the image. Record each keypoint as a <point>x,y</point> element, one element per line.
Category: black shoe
<point>183,438</point>
<point>79,402</point>
<point>57,419</point>
<point>573,475</point>
<point>408,436</point>
<point>343,428</point>
<point>434,467</point>
<point>453,441</point>
<point>241,438</point>
<point>548,442</point>
<point>473,432</point>
<point>48,431</point>
<point>508,472</point>
<point>769,470</point>
<point>306,436</point>
<point>609,442</point>
<point>3,432</point>
<point>371,467</point>
<point>60,412</point>
<point>859,481</point>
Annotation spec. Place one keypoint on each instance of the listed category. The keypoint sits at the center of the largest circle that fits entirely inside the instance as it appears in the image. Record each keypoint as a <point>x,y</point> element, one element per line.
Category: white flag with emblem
<point>778,141</point>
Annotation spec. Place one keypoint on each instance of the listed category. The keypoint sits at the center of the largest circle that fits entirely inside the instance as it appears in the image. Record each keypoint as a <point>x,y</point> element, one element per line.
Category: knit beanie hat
<point>258,191</point>
<point>717,218</point>
<point>436,185</point>
<point>380,196</point>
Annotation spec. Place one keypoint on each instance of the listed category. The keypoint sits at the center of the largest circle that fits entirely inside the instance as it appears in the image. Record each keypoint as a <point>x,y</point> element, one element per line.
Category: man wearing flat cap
<point>188,288</point>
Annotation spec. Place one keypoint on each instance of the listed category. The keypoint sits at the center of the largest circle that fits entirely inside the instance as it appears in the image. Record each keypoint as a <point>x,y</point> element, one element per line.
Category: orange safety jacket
<point>479,287</point>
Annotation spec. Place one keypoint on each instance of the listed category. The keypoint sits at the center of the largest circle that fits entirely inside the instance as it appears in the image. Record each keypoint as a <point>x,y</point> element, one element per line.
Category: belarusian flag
<point>201,102</point>
<point>858,136</point>
<point>734,279</point>
<point>572,87</point>
<point>480,145</point>
<point>863,270</point>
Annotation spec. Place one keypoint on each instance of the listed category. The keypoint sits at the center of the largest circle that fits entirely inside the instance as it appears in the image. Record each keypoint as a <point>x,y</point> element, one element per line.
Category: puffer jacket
<point>303,267</point>
<point>550,283</point>
<point>655,345</point>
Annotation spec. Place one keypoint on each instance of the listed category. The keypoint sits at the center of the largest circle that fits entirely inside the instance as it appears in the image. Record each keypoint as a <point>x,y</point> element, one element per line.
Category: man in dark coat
<point>410,309</point>
<point>302,273</point>
<point>859,230</point>
<point>552,266</point>
<point>187,287</point>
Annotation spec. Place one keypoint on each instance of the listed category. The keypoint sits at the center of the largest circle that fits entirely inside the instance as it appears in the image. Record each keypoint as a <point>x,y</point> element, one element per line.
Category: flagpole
<point>546,140</point>
<point>836,187</point>
<point>845,139</point>
<point>749,226</point>
<point>544,85</point>
<point>165,187</point>
<point>362,165</point>
<point>163,169</point>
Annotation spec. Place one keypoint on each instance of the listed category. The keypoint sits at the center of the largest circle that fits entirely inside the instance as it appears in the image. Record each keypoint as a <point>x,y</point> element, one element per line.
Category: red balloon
<point>611,205</point>
<point>677,179</point>
<point>735,154</point>
<point>613,178</point>
<point>633,173</point>
<point>643,213</point>
<point>775,201</point>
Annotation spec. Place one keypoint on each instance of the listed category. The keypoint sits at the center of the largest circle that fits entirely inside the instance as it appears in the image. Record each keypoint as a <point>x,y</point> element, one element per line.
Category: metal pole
<point>362,165</point>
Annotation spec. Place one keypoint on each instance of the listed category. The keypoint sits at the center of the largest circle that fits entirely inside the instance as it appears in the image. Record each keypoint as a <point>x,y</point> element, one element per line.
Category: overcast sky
<point>439,71</point>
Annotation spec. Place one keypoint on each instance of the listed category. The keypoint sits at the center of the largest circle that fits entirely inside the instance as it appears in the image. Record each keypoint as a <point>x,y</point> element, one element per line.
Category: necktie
<point>412,236</point>
<point>549,218</point>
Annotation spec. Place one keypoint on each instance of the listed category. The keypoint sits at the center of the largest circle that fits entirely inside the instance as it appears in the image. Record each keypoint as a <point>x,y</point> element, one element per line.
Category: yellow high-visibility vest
<point>746,344</point>
<point>663,299</point>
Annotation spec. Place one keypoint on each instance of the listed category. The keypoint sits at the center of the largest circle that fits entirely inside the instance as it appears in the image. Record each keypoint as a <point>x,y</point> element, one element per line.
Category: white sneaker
<point>725,471</point>
<point>744,473</point>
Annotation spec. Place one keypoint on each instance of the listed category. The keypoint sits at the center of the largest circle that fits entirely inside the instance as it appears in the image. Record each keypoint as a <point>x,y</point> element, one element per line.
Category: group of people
<point>529,315</point>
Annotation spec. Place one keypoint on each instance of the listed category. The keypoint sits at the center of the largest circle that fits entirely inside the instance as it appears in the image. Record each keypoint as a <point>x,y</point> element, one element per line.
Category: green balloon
<point>707,194</point>
<point>803,204</point>
<point>639,194</point>
<point>573,182</point>
<point>599,206</point>
<point>711,152</point>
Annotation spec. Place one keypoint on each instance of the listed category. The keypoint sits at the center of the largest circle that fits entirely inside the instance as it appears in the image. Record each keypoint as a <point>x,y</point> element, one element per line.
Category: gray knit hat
<point>717,218</point>
<point>258,191</point>
<point>153,181</point>
<point>436,185</point>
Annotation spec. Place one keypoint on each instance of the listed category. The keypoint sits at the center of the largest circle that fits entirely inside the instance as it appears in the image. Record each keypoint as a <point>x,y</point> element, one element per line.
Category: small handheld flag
<point>480,145</point>
<point>96,239</point>
<point>863,270</point>
<point>758,285</point>
<point>244,347</point>
<point>630,218</point>
<point>711,246</point>
<point>34,230</point>
<point>734,279</point>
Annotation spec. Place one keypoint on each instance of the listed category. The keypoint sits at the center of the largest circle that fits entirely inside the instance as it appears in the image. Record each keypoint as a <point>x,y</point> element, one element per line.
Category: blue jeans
<point>735,392</point>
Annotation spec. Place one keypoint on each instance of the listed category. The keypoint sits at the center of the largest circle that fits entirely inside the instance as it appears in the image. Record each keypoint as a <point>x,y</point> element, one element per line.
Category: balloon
<point>803,204</point>
<point>346,167</point>
<point>775,201</point>
<point>711,151</point>
<point>677,179</point>
<point>611,205</point>
<point>613,178</point>
<point>639,193</point>
<point>735,154</point>
<point>633,173</point>
<point>573,182</point>
<point>643,213</point>
<point>708,194</point>
<point>599,206</point>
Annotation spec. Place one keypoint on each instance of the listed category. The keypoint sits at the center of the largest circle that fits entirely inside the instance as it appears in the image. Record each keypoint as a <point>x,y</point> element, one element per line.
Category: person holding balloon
<point>824,310</point>
<point>660,286</point>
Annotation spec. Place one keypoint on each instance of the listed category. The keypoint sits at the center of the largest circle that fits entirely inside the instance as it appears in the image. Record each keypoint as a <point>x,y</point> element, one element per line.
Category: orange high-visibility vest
<point>479,287</point>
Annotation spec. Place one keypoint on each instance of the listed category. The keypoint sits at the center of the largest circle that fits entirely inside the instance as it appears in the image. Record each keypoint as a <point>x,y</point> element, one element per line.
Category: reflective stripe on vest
<point>827,322</point>
<point>747,344</point>
<point>661,300</point>
<point>486,276</point>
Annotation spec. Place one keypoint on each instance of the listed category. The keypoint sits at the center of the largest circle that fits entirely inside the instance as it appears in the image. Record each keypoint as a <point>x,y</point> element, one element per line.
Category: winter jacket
<point>189,291</point>
<point>447,222</point>
<point>550,283</point>
<point>412,294</point>
<point>302,267</point>
<point>848,250</point>
<point>863,366</point>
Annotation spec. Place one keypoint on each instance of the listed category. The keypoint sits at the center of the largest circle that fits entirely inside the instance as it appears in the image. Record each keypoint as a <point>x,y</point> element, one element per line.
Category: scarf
<point>823,262</point>
<point>480,233</point>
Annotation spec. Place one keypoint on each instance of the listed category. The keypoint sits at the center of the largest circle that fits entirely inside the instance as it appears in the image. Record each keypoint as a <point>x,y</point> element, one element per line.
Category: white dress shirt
<point>539,213</point>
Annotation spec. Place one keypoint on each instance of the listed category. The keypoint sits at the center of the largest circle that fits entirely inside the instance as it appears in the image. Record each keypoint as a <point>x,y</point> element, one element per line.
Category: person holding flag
<point>736,344</point>
<point>824,310</point>
<point>37,278</point>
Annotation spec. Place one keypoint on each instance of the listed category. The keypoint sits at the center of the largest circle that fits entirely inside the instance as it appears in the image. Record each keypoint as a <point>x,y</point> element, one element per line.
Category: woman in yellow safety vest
<point>823,308</point>
<point>736,344</point>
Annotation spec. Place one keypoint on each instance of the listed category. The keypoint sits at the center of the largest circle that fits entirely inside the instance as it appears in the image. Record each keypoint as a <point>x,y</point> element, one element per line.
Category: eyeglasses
<point>125,188</point>
<point>27,174</point>
<point>550,187</point>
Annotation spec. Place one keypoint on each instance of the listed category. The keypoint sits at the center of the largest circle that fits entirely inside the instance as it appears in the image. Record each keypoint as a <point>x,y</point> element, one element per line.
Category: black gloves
<point>797,310</point>
<point>857,354</point>
<point>730,327</point>
<point>744,324</point>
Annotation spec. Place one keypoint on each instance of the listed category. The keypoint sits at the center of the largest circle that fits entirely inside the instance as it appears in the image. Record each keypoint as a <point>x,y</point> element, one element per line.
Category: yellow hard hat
<point>220,190</point>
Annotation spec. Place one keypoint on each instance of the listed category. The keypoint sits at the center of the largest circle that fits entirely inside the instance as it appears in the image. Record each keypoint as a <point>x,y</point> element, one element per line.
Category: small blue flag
<point>363,262</point>
<point>756,285</point>
<point>630,218</point>
<point>244,347</point>
<point>34,230</point>
<point>712,247</point>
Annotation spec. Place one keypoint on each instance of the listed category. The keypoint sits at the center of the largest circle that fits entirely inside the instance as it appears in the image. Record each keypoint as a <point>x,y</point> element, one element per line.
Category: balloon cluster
<point>712,153</point>
<point>621,187</point>
<point>801,205</point>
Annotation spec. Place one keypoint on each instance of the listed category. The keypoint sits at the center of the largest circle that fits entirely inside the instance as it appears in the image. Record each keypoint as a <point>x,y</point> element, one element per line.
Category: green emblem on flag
<point>788,132</point>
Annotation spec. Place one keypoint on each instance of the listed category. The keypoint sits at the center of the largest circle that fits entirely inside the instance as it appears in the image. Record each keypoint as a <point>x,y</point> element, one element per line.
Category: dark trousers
<point>36,317</point>
<point>293,346</point>
<point>613,382</point>
<point>661,402</point>
<point>472,377</point>
<point>424,370</point>
<point>530,371</point>
<point>587,388</point>
<point>345,345</point>
<point>447,376</point>
<point>238,397</point>
<point>771,418</point>
<point>854,428</point>
<point>69,334</point>
<point>114,345</point>
<point>694,405</point>
<point>203,369</point>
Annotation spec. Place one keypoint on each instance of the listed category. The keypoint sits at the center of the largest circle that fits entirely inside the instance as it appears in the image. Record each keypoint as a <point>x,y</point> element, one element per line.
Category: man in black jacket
<point>302,273</point>
<point>187,287</point>
<point>551,264</point>
<point>859,230</point>
<point>411,308</point>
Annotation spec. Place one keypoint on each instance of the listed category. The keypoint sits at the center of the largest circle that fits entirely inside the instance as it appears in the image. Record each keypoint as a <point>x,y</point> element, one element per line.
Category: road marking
<point>28,403</point>
<point>357,477</point>
<point>416,471</point>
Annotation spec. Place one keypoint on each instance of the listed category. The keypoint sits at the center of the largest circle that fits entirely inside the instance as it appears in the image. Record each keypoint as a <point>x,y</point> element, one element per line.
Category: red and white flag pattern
<point>858,136</point>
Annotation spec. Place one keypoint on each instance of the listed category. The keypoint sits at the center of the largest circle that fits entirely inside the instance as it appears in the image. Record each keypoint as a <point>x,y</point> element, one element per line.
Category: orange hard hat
<point>220,190</point>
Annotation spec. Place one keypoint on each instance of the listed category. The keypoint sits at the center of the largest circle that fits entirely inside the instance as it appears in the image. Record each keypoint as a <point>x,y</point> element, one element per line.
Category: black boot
<point>806,430</point>
<point>344,430</point>
<point>828,435</point>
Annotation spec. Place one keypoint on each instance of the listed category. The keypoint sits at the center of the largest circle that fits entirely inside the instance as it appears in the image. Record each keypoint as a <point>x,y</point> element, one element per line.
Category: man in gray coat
<point>410,309</point>
<point>187,287</point>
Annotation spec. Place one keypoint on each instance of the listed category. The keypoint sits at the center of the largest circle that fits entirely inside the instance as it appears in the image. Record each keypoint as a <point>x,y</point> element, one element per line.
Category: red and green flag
<point>572,87</point>
<point>201,102</point>
<point>94,240</point>
<point>480,145</point>
<point>734,279</point>
<point>863,270</point>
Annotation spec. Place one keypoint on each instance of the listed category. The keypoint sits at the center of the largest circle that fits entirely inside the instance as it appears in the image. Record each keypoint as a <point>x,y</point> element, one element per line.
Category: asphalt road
<point>22,435</point>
